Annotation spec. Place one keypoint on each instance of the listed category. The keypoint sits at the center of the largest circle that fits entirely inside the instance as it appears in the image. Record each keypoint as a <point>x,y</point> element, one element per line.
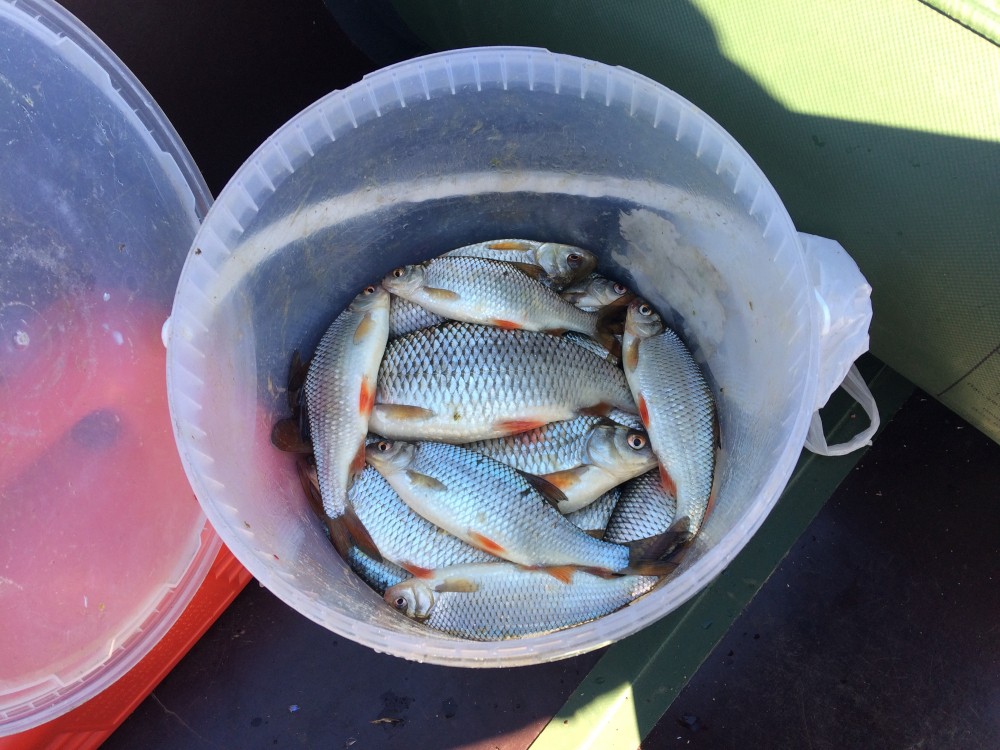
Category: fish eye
<point>369,290</point>
<point>645,310</point>
<point>400,602</point>
<point>620,289</point>
<point>398,272</point>
<point>574,259</point>
<point>384,445</point>
<point>636,441</point>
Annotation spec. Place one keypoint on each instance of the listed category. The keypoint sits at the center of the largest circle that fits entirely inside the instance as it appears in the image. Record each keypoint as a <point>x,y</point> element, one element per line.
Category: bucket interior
<point>511,144</point>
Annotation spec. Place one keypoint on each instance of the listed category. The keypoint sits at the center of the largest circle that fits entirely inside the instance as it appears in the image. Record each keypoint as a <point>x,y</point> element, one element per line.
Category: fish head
<point>598,291</point>
<point>390,456</point>
<point>620,450</point>
<point>642,320</point>
<point>564,264</point>
<point>405,280</point>
<point>413,597</point>
<point>371,298</point>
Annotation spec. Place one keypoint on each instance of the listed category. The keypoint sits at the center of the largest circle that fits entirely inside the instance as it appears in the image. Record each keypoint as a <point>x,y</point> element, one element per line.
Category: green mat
<point>878,124</point>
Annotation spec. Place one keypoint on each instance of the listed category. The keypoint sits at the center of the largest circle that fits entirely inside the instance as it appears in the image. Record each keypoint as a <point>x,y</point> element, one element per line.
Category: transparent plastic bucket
<point>457,148</point>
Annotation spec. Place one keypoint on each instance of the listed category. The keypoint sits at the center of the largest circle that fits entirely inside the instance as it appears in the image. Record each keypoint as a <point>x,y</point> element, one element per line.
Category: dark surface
<point>881,629</point>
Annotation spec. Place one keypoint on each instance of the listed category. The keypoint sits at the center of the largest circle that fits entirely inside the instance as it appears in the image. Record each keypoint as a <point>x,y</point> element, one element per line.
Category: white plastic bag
<point>844,298</point>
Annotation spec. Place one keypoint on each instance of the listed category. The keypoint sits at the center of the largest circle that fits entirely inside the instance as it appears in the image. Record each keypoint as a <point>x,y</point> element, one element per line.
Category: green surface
<point>632,685</point>
<point>878,124</point>
<point>982,16</point>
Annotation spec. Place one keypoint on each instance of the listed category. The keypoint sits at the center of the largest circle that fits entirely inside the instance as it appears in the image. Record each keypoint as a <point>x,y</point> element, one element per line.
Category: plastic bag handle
<point>856,386</point>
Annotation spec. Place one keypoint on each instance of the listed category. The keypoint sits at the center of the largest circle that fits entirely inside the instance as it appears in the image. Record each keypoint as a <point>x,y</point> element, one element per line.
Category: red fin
<point>513,426</point>
<point>367,399</point>
<point>362,539</point>
<point>508,245</point>
<point>563,480</point>
<point>416,571</point>
<point>285,436</point>
<point>643,411</point>
<point>600,410</point>
<point>358,464</point>
<point>545,488</point>
<point>506,324</point>
<point>562,573</point>
<point>486,544</point>
<point>668,482</point>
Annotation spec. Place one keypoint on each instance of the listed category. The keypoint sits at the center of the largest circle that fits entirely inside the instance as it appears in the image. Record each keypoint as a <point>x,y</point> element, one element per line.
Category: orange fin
<point>285,436</point>
<point>367,398</point>
<point>363,328</point>
<point>486,544</point>
<point>509,245</point>
<point>631,355</point>
<point>669,485</point>
<point>562,573</point>
<point>416,571</point>
<point>505,324</point>
<point>566,478</point>
<point>441,295</point>
<point>549,490</point>
<point>514,426</point>
<point>599,410</point>
<point>358,463</point>
<point>362,539</point>
<point>643,411</point>
<point>528,269</point>
<point>402,412</point>
<point>609,342</point>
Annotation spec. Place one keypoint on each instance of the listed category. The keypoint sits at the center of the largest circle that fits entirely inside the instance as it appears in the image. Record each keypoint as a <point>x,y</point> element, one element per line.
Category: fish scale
<point>548,256</point>
<point>644,509</point>
<point>378,575</point>
<point>406,317</point>
<point>402,536</point>
<point>510,602</point>
<point>473,378</point>
<point>489,504</point>
<point>595,516</point>
<point>552,447</point>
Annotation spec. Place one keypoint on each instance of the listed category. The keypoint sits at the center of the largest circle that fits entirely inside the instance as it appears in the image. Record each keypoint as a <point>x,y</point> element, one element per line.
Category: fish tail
<point>659,555</point>
<point>362,539</point>
<point>611,320</point>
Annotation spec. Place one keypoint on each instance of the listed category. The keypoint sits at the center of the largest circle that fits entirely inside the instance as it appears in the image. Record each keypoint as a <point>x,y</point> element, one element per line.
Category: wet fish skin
<point>471,382</point>
<point>594,518</point>
<point>402,536</point>
<point>378,575</point>
<point>676,406</point>
<point>543,450</point>
<point>340,390</point>
<point>487,292</point>
<point>625,418</point>
<point>488,505</point>
<point>490,602</point>
<point>596,292</point>
<point>561,264</point>
<point>592,345</point>
<point>406,317</point>
<point>644,509</point>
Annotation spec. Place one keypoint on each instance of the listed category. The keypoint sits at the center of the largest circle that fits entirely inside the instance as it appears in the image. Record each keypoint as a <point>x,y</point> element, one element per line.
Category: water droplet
<point>21,339</point>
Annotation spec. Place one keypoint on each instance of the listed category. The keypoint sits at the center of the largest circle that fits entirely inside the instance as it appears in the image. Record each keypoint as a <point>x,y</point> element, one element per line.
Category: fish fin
<point>441,295</point>
<point>362,539</point>
<point>358,462</point>
<point>507,325</point>
<point>630,355</point>
<point>285,436</point>
<point>562,573</point>
<point>510,245</point>
<point>545,488</point>
<point>596,533</point>
<point>339,535</point>
<point>622,301</point>
<point>565,479</point>
<point>661,547</point>
<point>555,331</point>
<point>643,410</point>
<point>416,571</point>
<point>650,568</point>
<point>425,481</point>
<point>458,585</point>
<point>297,372</point>
<point>611,319</point>
<point>364,327</point>
<point>528,269</point>
<point>572,297</point>
<point>367,398</point>
<point>669,485</point>
<point>314,498</point>
<point>484,543</point>
<point>609,342</point>
<point>514,426</point>
<point>598,410</point>
<point>402,412</point>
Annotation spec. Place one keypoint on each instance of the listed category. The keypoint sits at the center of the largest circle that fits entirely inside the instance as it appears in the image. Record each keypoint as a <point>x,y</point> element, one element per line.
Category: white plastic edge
<point>333,118</point>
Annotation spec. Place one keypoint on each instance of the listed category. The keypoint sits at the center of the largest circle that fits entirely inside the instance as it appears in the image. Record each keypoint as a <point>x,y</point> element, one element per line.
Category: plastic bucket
<point>458,148</point>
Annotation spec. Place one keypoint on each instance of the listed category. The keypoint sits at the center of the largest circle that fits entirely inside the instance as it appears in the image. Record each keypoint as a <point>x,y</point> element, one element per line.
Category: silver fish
<point>488,292</point>
<point>378,575</point>
<point>644,509</point>
<point>459,382</point>
<point>594,518</point>
<point>594,346</point>
<point>406,317</point>
<point>492,602</point>
<point>560,264</point>
<point>403,537</point>
<point>626,418</point>
<point>596,292</point>
<point>493,507</point>
<point>584,457</point>
<point>677,408</point>
<point>340,391</point>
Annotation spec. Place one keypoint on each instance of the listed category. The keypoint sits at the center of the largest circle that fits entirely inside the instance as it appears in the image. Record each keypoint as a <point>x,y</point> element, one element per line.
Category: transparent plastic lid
<point>102,543</point>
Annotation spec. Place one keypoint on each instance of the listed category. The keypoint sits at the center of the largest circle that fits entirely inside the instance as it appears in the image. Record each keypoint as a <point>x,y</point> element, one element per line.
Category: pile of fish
<point>502,442</point>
